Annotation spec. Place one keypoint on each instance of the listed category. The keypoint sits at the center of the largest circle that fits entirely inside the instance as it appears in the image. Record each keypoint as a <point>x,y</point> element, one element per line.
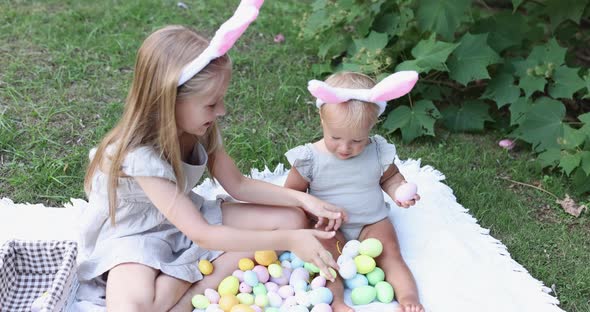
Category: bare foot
<point>340,306</point>
<point>410,306</point>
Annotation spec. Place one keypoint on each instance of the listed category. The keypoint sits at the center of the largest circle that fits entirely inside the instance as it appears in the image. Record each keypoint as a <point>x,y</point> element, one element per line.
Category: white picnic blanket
<point>457,265</point>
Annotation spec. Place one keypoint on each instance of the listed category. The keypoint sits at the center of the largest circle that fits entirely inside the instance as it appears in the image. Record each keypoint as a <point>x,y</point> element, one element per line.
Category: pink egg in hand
<point>406,191</point>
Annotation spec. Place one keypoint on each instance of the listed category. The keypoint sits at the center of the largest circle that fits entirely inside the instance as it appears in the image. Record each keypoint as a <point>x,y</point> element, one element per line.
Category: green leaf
<point>373,42</point>
<point>581,181</point>
<point>502,90</point>
<point>505,29</point>
<point>413,122</point>
<point>516,4</point>
<point>519,110</point>
<point>550,52</point>
<point>585,118</point>
<point>549,158</point>
<point>442,16</point>
<point>569,162</point>
<point>469,61</point>
<point>566,82</point>
<point>572,138</point>
<point>469,117</point>
<point>429,54</point>
<point>559,11</point>
<point>542,124</point>
<point>585,163</point>
<point>531,84</point>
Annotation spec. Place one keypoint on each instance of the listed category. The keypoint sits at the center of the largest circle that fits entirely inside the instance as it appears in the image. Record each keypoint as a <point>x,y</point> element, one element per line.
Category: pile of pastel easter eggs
<point>361,274</point>
<point>271,284</point>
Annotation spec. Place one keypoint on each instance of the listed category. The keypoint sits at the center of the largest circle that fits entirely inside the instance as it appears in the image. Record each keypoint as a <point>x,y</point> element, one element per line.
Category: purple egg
<point>262,273</point>
<point>272,286</point>
<point>239,274</point>
<point>212,295</point>
<point>245,288</point>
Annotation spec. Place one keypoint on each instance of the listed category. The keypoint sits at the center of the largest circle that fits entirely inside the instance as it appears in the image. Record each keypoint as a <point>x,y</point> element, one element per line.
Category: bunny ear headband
<point>392,87</point>
<point>224,38</point>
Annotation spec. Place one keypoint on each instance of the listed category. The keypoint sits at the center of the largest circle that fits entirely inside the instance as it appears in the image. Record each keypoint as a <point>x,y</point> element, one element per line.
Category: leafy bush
<point>521,66</point>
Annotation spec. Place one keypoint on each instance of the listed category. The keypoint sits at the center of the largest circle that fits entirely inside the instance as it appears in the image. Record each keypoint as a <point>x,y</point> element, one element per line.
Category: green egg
<point>259,289</point>
<point>376,276</point>
<point>245,298</point>
<point>384,292</point>
<point>363,295</point>
<point>371,247</point>
<point>364,264</point>
<point>332,271</point>
<point>311,267</point>
<point>200,302</point>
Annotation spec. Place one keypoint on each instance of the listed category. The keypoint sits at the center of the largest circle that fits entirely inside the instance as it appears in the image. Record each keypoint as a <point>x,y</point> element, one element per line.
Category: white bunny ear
<point>394,86</point>
<point>224,38</point>
<point>324,93</point>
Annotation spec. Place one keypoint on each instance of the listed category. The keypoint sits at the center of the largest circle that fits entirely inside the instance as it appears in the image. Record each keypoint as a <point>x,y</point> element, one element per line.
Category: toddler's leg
<point>337,287</point>
<point>243,216</point>
<point>136,287</point>
<point>396,271</point>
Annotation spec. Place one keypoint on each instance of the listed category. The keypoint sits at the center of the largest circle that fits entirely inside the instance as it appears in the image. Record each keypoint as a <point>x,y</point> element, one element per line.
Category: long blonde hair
<point>149,115</point>
<point>353,113</point>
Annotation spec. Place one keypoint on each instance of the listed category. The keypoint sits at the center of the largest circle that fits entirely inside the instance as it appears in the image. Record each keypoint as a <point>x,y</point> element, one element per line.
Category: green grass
<point>65,67</point>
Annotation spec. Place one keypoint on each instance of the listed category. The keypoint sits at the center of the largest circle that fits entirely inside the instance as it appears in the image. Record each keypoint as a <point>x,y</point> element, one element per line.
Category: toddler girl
<point>145,230</point>
<point>350,168</point>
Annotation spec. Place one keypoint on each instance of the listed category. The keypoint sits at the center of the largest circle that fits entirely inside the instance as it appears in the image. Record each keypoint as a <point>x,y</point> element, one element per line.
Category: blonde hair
<point>352,113</point>
<point>149,115</point>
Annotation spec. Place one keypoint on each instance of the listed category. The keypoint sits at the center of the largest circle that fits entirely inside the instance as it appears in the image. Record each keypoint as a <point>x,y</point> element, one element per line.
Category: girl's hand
<point>408,203</point>
<point>328,215</point>
<point>306,245</point>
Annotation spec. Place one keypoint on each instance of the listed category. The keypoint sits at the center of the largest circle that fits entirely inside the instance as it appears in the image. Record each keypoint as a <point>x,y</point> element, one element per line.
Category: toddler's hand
<point>306,245</point>
<point>408,203</point>
<point>329,216</point>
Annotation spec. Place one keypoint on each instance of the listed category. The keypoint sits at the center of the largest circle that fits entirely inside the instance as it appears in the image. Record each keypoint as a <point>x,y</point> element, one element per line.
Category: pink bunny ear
<point>231,30</point>
<point>324,92</point>
<point>256,3</point>
<point>394,86</point>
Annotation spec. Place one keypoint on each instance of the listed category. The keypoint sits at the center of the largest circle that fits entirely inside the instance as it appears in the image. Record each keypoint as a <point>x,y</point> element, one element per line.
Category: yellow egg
<point>206,267</point>
<point>229,286</point>
<point>246,264</point>
<point>265,257</point>
<point>227,302</point>
<point>241,308</point>
<point>364,264</point>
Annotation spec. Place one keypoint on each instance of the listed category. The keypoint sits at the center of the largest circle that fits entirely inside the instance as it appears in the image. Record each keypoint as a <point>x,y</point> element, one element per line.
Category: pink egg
<point>286,291</point>
<point>406,191</point>
<point>321,307</point>
<point>317,282</point>
<point>239,274</point>
<point>245,288</point>
<point>212,295</point>
<point>262,273</point>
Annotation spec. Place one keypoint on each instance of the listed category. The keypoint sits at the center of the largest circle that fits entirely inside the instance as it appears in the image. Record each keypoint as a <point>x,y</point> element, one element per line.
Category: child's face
<point>345,142</point>
<point>196,113</point>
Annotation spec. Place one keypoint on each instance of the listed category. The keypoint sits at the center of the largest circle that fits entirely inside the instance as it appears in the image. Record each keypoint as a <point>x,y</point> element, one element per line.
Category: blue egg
<point>296,262</point>
<point>251,278</point>
<point>299,285</point>
<point>285,256</point>
<point>321,295</point>
<point>357,281</point>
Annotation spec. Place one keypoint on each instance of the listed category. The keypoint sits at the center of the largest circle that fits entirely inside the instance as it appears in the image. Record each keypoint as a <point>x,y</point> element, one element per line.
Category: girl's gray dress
<point>352,184</point>
<point>141,233</point>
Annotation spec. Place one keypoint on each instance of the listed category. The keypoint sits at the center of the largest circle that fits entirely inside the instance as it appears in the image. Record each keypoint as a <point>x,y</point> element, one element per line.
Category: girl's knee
<point>293,218</point>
